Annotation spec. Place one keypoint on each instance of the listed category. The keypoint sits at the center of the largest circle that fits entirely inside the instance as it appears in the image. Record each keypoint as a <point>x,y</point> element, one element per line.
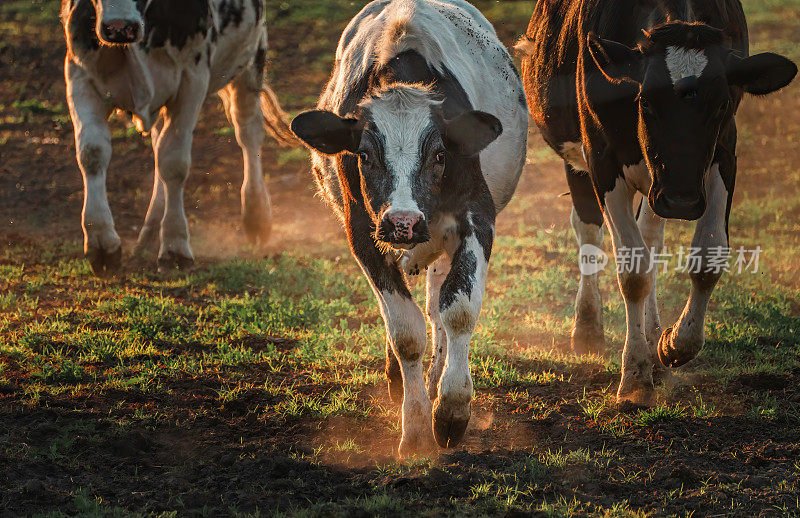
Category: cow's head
<point>690,83</point>
<point>403,145</point>
<point>119,22</point>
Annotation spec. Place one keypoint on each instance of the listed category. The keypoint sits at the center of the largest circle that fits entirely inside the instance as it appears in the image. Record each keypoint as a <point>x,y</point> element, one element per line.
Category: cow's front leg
<point>405,330</point>
<point>437,274</point>
<point>635,282</point>
<point>173,160</point>
<point>684,340</point>
<point>101,243</point>
<point>460,300</point>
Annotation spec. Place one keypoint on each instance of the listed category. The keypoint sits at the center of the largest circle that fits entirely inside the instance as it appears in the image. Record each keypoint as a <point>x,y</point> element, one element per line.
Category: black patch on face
<point>81,20</point>
<point>175,21</point>
<point>460,279</point>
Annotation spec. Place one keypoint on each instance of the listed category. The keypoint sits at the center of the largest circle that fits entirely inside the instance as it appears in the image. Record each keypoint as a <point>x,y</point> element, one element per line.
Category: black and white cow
<point>639,96</point>
<point>158,60</point>
<point>418,140</point>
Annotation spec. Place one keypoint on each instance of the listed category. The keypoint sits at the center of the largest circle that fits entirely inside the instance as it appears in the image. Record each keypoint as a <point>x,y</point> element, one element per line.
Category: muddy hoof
<point>258,229</point>
<point>104,263</point>
<point>671,354</point>
<point>588,341</point>
<point>628,407</point>
<point>173,261</point>
<point>635,389</point>
<point>449,423</point>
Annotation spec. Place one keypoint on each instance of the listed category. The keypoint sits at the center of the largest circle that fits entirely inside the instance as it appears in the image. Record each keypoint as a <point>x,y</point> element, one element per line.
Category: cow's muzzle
<point>403,228</point>
<point>678,206</point>
<point>121,32</point>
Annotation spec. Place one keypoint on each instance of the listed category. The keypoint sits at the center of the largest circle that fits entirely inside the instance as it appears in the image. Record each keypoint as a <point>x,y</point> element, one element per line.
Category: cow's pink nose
<point>404,222</point>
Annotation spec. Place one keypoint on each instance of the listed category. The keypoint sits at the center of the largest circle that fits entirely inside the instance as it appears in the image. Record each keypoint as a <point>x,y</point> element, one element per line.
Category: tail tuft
<point>276,120</point>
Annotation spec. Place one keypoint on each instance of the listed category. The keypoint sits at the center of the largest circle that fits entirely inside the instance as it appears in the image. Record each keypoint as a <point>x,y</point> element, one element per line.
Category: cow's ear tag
<point>470,133</point>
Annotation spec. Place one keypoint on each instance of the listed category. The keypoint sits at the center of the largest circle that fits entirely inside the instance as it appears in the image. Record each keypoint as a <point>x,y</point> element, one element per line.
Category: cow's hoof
<point>637,390</point>
<point>671,354</point>
<point>104,263</point>
<point>450,422</point>
<point>418,445</point>
<point>257,228</point>
<point>173,261</point>
<point>588,340</point>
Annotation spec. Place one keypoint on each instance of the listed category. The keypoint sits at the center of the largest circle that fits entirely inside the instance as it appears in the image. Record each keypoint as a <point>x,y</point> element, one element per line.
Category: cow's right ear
<point>326,132</point>
<point>617,62</point>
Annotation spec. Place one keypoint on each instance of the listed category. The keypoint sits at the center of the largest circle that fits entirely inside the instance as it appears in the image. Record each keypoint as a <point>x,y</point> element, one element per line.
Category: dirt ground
<point>204,457</point>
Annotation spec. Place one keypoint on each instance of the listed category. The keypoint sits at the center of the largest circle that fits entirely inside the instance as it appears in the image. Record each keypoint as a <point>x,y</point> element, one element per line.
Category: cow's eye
<point>440,157</point>
<point>363,157</point>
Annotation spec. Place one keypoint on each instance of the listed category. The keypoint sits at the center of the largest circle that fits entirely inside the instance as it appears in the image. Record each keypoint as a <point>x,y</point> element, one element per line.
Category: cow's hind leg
<point>242,102</point>
<point>101,245</point>
<point>460,301</point>
<point>155,212</point>
<point>437,274</point>
<point>587,223</point>
<point>684,340</point>
<point>173,160</point>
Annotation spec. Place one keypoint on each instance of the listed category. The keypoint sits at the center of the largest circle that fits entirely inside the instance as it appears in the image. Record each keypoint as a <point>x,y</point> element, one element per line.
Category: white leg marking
<point>637,361</point>
<point>93,148</point>
<point>587,332</point>
<point>405,325</point>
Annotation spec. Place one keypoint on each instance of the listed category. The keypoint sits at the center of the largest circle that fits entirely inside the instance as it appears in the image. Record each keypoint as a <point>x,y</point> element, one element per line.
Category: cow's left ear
<point>470,133</point>
<point>760,74</point>
<point>326,132</point>
<point>616,61</point>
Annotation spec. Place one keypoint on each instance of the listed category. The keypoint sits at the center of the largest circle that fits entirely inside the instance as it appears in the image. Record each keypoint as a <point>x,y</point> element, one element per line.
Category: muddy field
<point>254,386</point>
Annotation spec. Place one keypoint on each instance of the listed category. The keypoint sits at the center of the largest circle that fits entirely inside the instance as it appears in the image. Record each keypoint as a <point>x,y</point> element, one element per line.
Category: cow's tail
<point>275,119</point>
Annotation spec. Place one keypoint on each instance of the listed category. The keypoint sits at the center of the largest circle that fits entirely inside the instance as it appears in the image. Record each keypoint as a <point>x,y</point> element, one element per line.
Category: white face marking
<point>119,10</point>
<point>403,117</point>
<point>682,62</point>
